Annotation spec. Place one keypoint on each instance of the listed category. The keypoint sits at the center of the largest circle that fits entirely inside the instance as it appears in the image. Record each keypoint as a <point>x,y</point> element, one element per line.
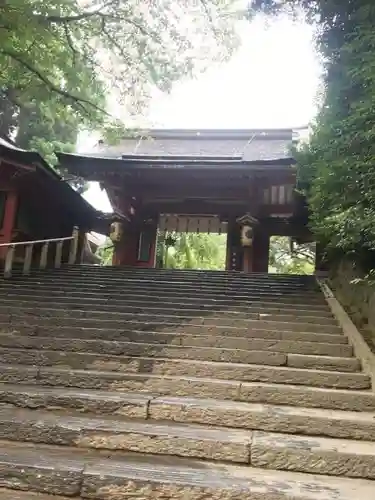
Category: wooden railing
<point>45,246</point>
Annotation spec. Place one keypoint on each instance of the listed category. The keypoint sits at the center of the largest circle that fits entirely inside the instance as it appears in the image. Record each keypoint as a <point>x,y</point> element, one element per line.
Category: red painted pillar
<point>8,226</point>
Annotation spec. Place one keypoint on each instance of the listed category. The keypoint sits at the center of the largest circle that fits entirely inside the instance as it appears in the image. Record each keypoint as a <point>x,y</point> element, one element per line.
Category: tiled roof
<point>250,145</point>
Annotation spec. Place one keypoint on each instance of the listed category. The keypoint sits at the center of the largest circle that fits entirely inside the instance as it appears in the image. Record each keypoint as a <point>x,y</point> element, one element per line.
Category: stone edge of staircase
<point>361,349</point>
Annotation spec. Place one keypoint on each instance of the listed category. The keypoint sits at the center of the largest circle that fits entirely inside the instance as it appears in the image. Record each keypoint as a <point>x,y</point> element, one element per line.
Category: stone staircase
<point>155,384</point>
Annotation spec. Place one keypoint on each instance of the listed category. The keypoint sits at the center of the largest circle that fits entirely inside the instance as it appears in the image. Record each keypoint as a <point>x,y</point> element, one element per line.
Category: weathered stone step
<point>145,297</point>
<point>167,385</point>
<point>183,440</point>
<point>161,323</point>
<point>46,357</point>
<point>343,376</point>
<point>118,404</point>
<point>10,286</point>
<point>48,353</point>
<point>316,455</point>
<point>305,323</point>
<point>177,344</point>
<point>304,278</point>
<point>285,419</point>
<point>256,296</point>
<point>117,285</point>
<point>146,275</point>
<point>180,335</point>
<point>8,494</point>
<point>129,305</point>
<point>88,474</point>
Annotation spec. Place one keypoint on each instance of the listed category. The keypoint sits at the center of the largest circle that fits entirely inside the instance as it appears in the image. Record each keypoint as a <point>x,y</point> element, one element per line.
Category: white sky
<point>270,82</point>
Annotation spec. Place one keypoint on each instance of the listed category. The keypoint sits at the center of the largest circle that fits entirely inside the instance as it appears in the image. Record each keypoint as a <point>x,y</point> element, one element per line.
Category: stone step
<point>185,386</point>
<point>304,278</point>
<point>315,455</point>
<point>186,277</point>
<point>8,494</point>
<point>285,419</point>
<point>139,305</point>
<point>255,297</point>
<point>281,419</point>
<point>344,377</point>
<point>161,323</point>
<point>144,297</point>
<point>48,354</point>
<point>89,474</point>
<point>157,438</point>
<point>120,284</point>
<point>180,344</point>
<point>180,335</point>
<point>319,455</point>
<point>305,323</point>
<point>33,285</point>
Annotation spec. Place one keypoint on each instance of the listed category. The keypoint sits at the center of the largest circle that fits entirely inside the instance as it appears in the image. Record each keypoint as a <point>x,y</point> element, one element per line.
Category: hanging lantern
<point>247,236</point>
<point>169,241</point>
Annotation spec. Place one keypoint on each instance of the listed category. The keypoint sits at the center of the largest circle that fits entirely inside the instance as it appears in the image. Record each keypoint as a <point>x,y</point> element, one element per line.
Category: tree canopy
<point>287,258</point>
<point>336,168</point>
<point>60,60</point>
<point>196,251</point>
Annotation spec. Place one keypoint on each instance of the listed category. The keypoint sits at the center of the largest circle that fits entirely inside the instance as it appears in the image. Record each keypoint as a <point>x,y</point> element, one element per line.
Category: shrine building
<point>37,204</point>
<point>238,182</point>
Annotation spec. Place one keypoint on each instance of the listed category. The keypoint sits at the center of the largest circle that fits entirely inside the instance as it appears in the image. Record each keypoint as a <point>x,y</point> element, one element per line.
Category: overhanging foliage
<point>61,60</point>
<point>337,167</point>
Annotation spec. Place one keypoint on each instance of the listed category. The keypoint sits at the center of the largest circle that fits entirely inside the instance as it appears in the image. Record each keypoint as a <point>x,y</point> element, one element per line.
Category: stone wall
<point>357,295</point>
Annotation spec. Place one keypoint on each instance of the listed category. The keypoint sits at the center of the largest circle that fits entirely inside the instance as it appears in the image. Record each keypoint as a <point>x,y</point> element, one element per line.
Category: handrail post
<point>9,261</point>
<point>58,256</point>
<point>28,259</point>
<point>74,246</point>
<point>84,244</point>
<point>44,256</point>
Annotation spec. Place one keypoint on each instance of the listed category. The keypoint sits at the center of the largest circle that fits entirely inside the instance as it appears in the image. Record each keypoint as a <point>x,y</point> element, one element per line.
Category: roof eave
<point>74,163</point>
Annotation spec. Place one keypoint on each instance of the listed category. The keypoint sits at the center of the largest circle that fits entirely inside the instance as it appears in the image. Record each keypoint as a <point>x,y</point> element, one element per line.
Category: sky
<point>270,82</point>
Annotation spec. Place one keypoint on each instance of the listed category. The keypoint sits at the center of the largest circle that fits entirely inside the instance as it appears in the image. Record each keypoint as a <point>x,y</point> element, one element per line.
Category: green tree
<point>40,131</point>
<point>288,258</point>
<point>336,168</point>
<point>60,60</point>
<point>196,251</point>
<point>105,253</point>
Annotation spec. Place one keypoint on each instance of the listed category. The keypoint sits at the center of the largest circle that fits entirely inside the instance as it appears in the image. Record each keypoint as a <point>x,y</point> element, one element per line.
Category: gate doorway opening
<point>191,251</point>
<point>191,242</point>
